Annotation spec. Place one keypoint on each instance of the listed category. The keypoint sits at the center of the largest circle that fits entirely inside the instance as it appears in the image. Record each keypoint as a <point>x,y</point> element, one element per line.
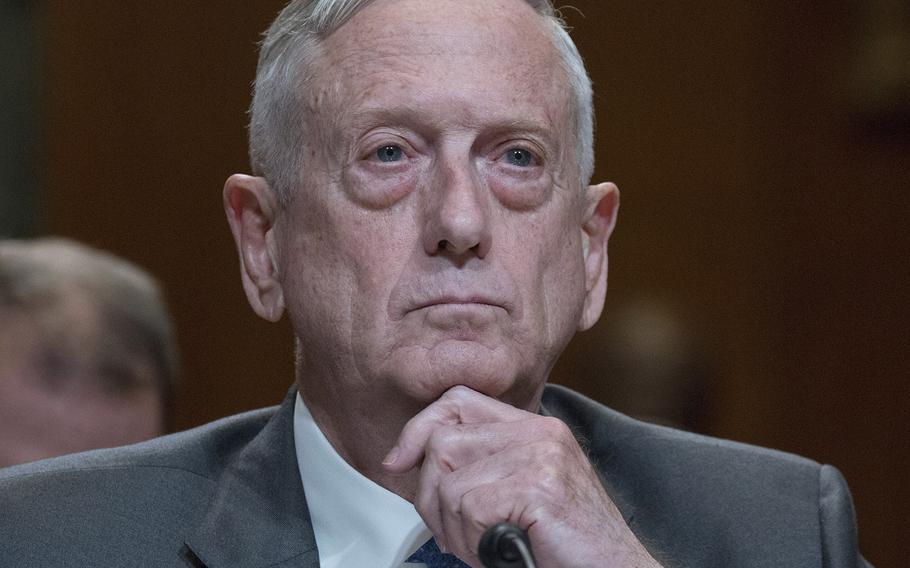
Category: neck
<point>364,443</point>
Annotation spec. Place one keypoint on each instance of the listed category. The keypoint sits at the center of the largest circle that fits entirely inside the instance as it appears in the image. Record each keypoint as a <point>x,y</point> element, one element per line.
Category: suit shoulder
<point>146,495</point>
<point>601,427</point>
<point>697,497</point>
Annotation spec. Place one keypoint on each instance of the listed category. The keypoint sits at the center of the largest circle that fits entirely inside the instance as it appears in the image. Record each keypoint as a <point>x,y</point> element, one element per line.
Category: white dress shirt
<point>356,521</point>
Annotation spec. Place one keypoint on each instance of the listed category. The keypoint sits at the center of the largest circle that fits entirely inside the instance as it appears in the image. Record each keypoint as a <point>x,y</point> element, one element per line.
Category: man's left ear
<point>601,207</point>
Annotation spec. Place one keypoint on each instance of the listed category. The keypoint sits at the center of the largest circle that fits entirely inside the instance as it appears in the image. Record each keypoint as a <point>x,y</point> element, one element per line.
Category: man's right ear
<point>252,208</point>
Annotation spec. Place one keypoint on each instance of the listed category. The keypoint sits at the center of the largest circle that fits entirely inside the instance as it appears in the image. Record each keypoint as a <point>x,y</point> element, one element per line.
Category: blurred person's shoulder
<point>199,452</point>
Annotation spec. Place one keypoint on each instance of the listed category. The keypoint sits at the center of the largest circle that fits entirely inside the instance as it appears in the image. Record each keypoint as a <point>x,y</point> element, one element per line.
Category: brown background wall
<point>755,202</point>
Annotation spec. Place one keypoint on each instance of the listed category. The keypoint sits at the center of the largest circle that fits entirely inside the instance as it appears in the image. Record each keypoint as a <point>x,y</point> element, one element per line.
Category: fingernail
<point>392,456</point>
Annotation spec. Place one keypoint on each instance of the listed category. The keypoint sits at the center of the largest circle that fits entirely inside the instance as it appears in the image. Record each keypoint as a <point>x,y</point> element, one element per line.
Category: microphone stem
<point>525,553</point>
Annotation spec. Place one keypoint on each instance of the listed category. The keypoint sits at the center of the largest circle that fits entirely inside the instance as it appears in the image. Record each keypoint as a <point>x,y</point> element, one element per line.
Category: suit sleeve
<point>840,548</point>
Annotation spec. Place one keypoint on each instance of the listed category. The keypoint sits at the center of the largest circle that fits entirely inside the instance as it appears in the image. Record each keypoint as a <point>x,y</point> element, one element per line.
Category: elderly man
<point>421,211</point>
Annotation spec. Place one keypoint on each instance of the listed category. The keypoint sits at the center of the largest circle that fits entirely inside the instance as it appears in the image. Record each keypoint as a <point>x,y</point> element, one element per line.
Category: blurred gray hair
<point>37,276</point>
<point>290,46</point>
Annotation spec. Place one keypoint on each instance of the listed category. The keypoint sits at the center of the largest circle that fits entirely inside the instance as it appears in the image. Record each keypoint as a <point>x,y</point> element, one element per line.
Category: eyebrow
<point>409,117</point>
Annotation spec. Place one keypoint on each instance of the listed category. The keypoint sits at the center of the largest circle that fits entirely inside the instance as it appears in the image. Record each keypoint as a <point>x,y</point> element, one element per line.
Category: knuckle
<point>442,446</point>
<point>459,390</point>
<point>457,393</point>
<point>554,428</point>
<point>450,403</point>
<point>552,452</point>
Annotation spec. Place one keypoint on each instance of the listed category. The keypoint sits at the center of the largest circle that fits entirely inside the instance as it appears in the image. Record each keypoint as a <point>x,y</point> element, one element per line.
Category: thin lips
<point>460,300</point>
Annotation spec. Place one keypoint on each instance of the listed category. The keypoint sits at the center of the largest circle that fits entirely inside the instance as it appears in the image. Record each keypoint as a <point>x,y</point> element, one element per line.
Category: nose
<point>457,215</point>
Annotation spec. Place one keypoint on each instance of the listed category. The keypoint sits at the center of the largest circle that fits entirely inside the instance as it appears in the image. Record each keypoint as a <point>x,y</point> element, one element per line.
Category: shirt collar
<point>356,521</point>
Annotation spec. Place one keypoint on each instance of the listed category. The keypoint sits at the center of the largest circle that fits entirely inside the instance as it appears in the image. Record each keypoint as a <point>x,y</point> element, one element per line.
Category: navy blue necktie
<point>430,555</point>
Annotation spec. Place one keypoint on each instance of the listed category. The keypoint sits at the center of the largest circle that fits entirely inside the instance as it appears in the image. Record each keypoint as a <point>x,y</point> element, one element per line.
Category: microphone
<point>505,545</point>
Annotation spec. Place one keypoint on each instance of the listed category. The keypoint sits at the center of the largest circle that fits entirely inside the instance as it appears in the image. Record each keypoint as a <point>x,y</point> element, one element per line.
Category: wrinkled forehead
<point>492,47</point>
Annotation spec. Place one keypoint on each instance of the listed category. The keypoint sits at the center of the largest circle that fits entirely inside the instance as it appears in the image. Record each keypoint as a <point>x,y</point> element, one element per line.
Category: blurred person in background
<point>87,351</point>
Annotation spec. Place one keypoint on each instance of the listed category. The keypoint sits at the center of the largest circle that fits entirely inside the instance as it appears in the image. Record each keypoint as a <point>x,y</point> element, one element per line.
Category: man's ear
<point>251,208</point>
<point>601,207</point>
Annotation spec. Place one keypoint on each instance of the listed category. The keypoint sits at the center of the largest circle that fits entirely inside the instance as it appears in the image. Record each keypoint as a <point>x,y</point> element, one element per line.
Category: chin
<point>494,372</point>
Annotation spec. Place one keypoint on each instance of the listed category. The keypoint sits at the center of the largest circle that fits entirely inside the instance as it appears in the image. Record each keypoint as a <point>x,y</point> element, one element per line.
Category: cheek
<point>565,259</point>
<point>554,282</point>
<point>315,277</point>
<point>344,269</point>
<point>378,257</point>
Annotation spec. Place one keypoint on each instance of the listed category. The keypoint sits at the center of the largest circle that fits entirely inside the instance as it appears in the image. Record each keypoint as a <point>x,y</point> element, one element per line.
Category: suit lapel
<point>258,514</point>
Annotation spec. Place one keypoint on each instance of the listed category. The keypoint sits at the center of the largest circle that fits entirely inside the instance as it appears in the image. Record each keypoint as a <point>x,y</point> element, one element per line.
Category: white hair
<point>283,76</point>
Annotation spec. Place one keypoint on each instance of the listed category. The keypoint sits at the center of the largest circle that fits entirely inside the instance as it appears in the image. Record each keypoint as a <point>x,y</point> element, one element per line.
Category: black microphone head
<point>498,546</point>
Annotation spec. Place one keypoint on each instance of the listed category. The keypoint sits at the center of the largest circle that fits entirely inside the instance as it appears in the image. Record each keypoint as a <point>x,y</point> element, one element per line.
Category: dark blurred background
<point>759,273</point>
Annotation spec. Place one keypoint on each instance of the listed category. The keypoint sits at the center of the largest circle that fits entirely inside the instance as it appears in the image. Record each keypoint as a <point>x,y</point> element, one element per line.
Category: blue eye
<point>390,153</point>
<point>519,157</point>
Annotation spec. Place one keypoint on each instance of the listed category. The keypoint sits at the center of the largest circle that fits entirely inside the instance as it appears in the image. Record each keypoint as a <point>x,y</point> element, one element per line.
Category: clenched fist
<point>483,462</point>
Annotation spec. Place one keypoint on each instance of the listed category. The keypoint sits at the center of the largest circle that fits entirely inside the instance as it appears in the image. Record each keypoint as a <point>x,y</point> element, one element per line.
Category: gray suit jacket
<point>229,495</point>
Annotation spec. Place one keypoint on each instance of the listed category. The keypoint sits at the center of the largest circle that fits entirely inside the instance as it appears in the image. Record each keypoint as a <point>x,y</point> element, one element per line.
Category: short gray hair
<point>287,52</point>
<point>37,276</point>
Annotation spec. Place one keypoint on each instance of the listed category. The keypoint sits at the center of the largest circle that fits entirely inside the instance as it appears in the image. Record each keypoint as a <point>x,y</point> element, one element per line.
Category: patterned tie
<point>430,555</point>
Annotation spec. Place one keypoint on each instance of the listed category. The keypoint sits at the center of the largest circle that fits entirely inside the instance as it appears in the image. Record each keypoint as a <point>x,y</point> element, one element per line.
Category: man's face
<point>436,237</point>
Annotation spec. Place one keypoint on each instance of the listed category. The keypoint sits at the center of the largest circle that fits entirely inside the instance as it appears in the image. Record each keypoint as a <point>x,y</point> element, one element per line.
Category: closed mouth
<point>455,301</point>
